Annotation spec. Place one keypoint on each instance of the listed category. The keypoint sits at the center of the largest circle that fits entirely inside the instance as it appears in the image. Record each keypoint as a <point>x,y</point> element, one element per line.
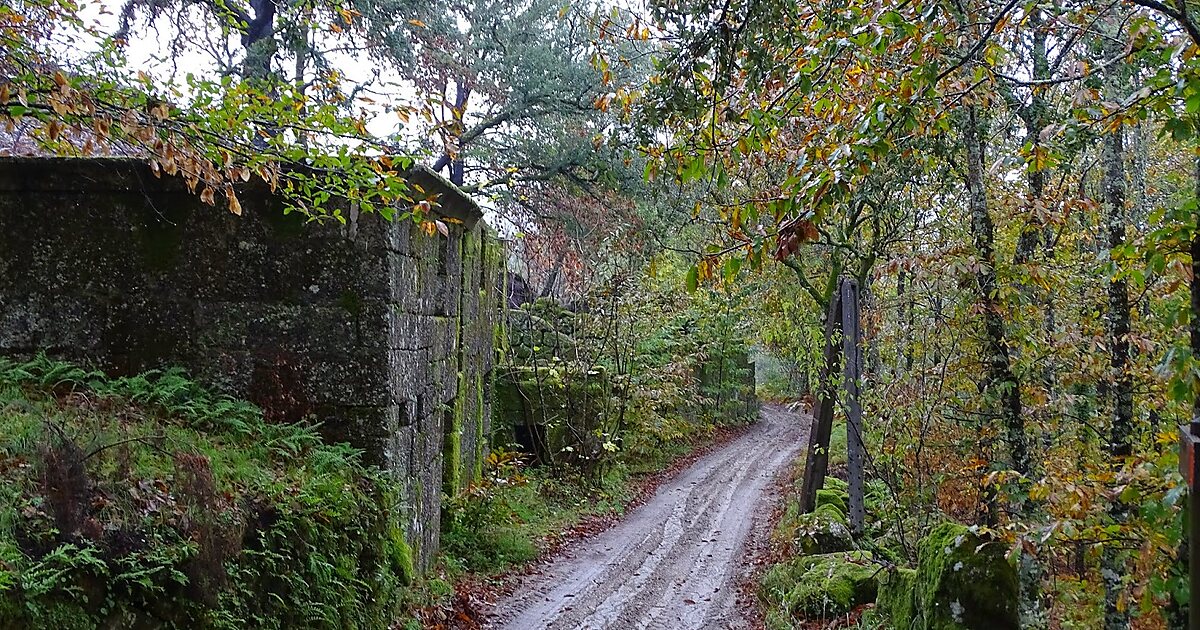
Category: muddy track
<point>674,562</point>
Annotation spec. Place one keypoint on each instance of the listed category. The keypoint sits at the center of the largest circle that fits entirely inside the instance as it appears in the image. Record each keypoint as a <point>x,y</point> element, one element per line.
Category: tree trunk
<point>1034,115</point>
<point>1000,384</point>
<point>906,317</point>
<point>452,157</point>
<point>1120,377</point>
<point>259,40</point>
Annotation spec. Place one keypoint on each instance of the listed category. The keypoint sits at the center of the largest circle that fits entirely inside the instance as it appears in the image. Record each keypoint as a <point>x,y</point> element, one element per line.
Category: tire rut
<point>674,562</point>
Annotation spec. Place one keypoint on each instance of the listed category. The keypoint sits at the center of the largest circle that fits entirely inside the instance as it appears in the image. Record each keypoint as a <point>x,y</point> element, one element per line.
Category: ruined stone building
<point>383,333</point>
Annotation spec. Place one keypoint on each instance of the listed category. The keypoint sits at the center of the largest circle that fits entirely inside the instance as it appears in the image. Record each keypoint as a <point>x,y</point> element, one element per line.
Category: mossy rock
<point>825,585</point>
<point>897,599</point>
<point>837,499</point>
<point>824,530</point>
<point>963,582</point>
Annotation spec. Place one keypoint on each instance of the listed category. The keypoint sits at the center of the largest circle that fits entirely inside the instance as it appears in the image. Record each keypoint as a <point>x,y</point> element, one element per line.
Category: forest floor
<point>677,561</point>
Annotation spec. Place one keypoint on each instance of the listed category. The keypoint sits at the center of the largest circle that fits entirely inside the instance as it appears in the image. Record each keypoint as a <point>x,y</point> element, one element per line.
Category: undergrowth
<point>148,501</point>
<point>516,510</point>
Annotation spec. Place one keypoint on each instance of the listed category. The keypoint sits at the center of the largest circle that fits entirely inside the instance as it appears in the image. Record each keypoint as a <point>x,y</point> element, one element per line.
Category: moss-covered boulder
<point>896,600</point>
<point>962,582</point>
<point>824,530</point>
<point>825,585</point>
<point>839,500</point>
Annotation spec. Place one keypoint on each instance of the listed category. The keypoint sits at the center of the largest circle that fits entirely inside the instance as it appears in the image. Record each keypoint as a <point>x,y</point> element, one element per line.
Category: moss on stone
<point>402,557</point>
<point>452,462</point>
<point>480,428</point>
<point>563,407</point>
<point>824,530</point>
<point>821,585</point>
<point>964,581</point>
<point>351,302</point>
<point>160,236</point>
<point>834,498</point>
<point>285,224</point>
<point>161,248</point>
<point>452,456</point>
<point>896,600</point>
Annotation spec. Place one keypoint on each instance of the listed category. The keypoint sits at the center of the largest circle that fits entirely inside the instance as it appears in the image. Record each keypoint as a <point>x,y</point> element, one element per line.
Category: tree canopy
<point>1015,185</point>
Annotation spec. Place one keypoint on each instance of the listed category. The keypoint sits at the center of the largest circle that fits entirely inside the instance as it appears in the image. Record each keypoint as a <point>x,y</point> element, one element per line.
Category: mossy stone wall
<point>382,333</point>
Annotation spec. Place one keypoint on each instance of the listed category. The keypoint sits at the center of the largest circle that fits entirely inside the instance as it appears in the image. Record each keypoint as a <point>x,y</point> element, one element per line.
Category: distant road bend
<point>676,561</point>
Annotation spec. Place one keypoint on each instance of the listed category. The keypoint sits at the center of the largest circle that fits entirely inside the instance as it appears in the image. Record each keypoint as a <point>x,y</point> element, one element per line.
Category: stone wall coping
<point>22,174</point>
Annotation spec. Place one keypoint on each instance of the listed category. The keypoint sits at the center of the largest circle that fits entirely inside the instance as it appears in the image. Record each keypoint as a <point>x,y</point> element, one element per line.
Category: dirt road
<point>676,561</point>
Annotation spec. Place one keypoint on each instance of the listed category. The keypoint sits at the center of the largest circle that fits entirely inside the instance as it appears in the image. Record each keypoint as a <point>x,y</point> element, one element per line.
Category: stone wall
<point>380,332</point>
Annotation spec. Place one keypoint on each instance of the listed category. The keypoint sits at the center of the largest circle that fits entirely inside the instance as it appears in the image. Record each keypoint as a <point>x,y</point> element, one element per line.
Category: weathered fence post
<point>852,351</point>
<point>1189,465</point>
<point>817,461</point>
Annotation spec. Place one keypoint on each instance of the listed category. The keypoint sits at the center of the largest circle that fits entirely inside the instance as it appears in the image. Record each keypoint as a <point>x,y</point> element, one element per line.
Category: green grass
<point>516,511</point>
<point>509,518</point>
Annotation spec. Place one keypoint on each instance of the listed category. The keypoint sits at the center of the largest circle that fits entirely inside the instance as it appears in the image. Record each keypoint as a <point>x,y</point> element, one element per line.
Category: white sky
<point>146,52</point>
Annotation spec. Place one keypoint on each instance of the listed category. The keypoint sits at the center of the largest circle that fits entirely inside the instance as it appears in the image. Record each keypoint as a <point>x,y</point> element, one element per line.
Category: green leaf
<point>1158,263</point>
<point>693,279</point>
<point>1192,104</point>
<point>732,265</point>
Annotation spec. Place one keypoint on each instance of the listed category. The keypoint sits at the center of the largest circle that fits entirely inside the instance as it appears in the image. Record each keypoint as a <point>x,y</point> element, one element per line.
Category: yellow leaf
<point>235,206</point>
<point>417,23</point>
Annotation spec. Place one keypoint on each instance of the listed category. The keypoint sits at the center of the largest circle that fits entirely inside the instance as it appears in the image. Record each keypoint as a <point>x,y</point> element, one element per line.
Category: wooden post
<point>852,351</point>
<point>816,464</point>
<point>1189,466</point>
